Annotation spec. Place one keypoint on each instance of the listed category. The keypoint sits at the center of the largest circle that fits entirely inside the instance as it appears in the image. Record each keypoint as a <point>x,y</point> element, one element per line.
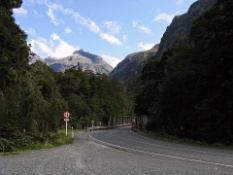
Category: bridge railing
<point>96,128</point>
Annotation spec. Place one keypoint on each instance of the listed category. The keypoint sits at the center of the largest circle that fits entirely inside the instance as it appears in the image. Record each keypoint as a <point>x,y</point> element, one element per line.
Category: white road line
<point>183,149</point>
<point>163,155</point>
<point>166,147</point>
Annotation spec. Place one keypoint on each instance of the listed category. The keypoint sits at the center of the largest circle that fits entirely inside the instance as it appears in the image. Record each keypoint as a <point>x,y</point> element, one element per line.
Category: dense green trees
<point>33,98</point>
<point>189,92</point>
<point>93,97</point>
<point>13,63</point>
<point>13,50</point>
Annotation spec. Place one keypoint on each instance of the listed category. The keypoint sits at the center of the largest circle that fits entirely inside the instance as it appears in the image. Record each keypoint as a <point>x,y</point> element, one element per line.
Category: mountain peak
<point>78,51</point>
<point>93,57</point>
<point>86,60</point>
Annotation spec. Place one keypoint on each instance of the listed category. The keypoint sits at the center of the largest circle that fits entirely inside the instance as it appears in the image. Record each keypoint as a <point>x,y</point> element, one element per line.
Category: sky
<point>111,29</point>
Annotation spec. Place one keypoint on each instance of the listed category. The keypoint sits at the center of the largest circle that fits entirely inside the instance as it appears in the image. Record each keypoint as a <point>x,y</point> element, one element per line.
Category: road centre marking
<point>166,147</point>
<point>162,155</point>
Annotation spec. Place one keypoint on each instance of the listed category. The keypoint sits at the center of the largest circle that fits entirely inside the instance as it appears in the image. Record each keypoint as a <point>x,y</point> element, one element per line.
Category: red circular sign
<point>66,115</point>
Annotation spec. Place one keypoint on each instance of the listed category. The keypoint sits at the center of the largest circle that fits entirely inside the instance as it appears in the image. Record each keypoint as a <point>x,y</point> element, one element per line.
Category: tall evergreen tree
<point>13,47</point>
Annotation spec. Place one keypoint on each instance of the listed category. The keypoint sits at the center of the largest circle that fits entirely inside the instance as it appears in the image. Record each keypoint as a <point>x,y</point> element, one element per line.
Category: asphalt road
<point>124,153</point>
<point>125,139</point>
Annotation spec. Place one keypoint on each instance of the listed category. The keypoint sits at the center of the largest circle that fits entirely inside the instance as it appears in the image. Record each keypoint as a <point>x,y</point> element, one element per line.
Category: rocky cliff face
<point>130,68</point>
<point>180,25</point>
<point>86,60</point>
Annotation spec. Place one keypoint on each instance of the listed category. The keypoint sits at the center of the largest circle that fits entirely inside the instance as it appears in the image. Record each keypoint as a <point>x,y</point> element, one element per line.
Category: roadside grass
<point>8,153</point>
<point>173,139</point>
<point>57,139</point>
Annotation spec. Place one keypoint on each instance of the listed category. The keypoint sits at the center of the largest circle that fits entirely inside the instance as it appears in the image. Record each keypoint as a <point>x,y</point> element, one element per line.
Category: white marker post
<point>92,124</point>
<point>72,133</point>
<point>66,119</point>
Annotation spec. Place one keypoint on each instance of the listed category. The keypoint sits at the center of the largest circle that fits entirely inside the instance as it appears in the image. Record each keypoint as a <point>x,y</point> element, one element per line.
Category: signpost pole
<point>66,119</point>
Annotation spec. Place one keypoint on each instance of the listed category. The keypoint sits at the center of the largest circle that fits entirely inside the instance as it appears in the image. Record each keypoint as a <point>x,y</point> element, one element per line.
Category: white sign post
<point>66,119</point>
<point>92,124</point>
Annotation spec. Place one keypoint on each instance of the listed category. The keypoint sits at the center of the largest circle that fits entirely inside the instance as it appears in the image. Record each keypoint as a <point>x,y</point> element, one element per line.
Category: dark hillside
<point>181,25</point>
<point>189,92</point>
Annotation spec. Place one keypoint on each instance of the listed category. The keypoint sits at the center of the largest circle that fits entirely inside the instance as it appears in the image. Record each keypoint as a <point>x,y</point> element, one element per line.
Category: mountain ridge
<point>131,66</point>
<point>86,60</point>
<point>181,24</point>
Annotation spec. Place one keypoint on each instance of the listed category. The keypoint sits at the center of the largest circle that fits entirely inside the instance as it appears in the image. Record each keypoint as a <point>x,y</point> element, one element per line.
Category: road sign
<point>66,118</point>
<point>66,115</point>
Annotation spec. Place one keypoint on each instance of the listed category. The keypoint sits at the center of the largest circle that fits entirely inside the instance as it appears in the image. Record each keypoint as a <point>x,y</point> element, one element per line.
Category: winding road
<point>125,139</point>
<point>119,152</point>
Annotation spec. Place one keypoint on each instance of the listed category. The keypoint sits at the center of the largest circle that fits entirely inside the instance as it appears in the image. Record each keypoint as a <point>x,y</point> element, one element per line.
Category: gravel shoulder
<point>86,157</point>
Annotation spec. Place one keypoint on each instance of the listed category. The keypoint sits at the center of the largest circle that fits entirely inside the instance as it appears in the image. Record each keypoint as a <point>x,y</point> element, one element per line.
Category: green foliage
<point>189,92</point>
<point>93,97</point>
<point>30,102</point>
<point>33,98</point>
<point>6,145</point>
<point>13,48</point>
<point>11,4</point>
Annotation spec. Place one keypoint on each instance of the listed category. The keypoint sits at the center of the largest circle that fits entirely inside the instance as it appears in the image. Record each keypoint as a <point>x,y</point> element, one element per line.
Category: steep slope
<point>180,25</point>
<point>86,60</point>
<point>188,94</point>
<point>130,68</point>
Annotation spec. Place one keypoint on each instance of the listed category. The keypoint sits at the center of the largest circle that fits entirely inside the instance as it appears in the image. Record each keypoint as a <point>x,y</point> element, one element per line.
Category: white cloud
<point>56,47</point>
<point>20,11</point>
<point>125,37</point>
<point>165,17</point>
<point>51,15</point>
<point>144,29</point>
<point>91,25</point>
<point>111,39</point>
<point>63,49</point>
<point>112,26</point>
<point>145,46</point>
<point>68,30</point>
<point>31,31</point>
<point>113,61</point>
<point>40,47</point>
<point>180,2</point>
<point>141,28</point>
<point>55,36</point>
<point>51,12</point>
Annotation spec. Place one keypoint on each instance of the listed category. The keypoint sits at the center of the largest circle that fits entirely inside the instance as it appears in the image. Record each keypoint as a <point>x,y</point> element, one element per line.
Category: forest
<point>189,92</point>
<point>33,97</point>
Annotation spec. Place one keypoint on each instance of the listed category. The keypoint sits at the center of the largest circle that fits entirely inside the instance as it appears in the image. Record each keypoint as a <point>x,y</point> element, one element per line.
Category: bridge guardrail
<point>96,128</point>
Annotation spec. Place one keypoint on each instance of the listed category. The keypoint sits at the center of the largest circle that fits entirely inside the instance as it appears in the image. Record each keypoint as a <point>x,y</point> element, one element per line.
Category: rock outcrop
<point>130,68</point>
<point>181,25</point>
